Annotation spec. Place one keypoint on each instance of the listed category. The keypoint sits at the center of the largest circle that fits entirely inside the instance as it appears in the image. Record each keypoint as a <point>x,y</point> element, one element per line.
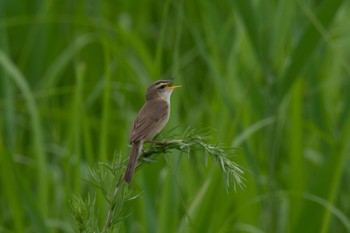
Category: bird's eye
<point>162,87</point>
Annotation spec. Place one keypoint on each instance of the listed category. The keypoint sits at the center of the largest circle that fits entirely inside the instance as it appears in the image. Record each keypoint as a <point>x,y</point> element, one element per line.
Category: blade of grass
<point>185,224</point>
<point>296,155</point>
<point>24,199</point>
<point>307,43</point>
<point>248,16</point>
<point>10,192</point>
<point>339,166</point>
<point>331,209</point>
<point>39,151</point>
<point>106,102</point>
<point>251,130</point>
<point>160,42</point>
<point>8,135</point>
<point>167,216</point>
<point>76,125</point>
<point>51,77</point>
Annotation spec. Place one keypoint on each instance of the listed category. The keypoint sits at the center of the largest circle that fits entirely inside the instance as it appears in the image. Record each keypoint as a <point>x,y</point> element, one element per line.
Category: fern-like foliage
<point>108,178</point>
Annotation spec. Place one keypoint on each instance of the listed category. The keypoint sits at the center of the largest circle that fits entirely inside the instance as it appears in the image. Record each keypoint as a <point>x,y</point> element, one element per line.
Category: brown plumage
<point>150,120</point>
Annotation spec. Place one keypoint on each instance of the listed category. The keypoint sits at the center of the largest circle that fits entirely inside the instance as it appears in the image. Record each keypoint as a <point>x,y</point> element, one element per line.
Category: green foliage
<point>106,175</point>
<point>271,77</point>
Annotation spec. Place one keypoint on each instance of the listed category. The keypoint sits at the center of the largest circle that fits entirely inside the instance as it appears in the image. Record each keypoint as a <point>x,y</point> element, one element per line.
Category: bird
<point>150,120</point>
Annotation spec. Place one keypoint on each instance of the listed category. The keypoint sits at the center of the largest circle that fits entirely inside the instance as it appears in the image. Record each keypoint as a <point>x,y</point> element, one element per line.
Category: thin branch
<point>114,202</point>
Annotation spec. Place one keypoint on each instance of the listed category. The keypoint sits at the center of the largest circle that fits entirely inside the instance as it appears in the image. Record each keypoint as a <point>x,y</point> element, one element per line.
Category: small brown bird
<point>150,120</point>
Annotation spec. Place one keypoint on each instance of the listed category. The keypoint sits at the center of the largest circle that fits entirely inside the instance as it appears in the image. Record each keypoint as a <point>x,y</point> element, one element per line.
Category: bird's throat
<point>166,96</point>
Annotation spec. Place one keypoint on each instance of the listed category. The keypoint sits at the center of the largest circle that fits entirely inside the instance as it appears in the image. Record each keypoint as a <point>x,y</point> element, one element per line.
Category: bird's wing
<point>149,117</point>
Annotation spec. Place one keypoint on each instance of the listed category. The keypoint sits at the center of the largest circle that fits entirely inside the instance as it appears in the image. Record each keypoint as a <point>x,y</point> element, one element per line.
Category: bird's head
<point>160,89</point>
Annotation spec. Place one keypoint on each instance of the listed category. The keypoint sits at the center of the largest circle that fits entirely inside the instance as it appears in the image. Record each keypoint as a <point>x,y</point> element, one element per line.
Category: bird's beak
<point>173,87</point>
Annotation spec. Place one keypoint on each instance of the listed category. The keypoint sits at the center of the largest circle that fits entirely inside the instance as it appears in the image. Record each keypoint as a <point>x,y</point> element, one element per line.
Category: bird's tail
<point>134,154</point>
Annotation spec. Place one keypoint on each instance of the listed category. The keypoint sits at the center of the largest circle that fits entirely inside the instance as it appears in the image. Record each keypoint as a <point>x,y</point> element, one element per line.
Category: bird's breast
<point>159,125</point>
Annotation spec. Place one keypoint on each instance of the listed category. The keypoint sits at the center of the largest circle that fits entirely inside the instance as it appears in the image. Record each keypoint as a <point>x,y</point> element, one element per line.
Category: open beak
<point>173,87</point>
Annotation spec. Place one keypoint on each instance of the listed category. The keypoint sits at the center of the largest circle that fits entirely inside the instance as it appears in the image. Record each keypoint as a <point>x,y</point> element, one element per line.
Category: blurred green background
<point>271,77</point>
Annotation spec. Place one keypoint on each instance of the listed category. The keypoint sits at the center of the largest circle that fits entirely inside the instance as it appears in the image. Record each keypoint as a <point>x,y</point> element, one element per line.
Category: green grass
<point>271,77</point>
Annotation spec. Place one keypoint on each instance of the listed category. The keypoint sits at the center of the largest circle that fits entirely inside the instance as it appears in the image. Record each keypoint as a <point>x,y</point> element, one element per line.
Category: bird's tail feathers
<point>134,154</point>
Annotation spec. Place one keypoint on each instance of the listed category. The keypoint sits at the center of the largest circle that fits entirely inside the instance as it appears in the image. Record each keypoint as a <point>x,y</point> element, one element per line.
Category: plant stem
<point>118,187</point>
